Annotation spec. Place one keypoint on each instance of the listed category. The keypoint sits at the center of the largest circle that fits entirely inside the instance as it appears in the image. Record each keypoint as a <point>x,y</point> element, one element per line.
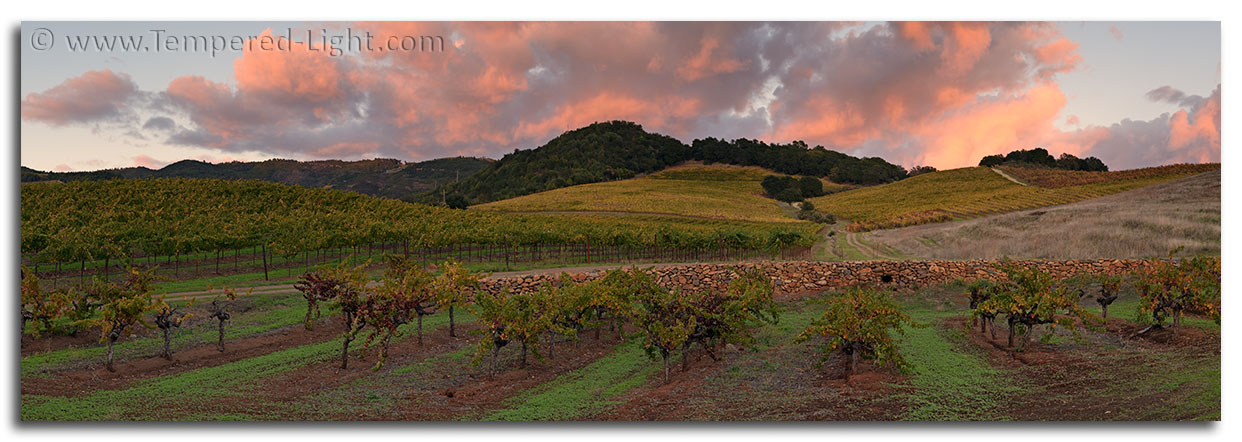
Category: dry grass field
<point>979,191</point>
<point>1146,222</point>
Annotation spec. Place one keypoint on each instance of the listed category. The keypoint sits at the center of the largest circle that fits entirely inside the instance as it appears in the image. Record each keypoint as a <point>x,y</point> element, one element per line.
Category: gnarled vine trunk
<point>111,340</point>
<point>167,343</point>
<point>345,351</point>
<point>220,337</point>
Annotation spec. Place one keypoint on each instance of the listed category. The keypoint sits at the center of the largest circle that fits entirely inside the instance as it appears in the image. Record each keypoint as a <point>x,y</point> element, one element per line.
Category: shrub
<point>1110,286</point>
<point>859,323</point>
<point>122,305</point>
<point>167,318</point>
<point>817,217</point>
<point>325,284</point>
<point>1169,288</point>
<point>37,304</point>
<point>1029,298</point>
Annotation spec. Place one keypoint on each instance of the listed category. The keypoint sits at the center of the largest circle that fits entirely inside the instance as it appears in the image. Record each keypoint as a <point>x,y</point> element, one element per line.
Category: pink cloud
<point>1198,127</point>
<point>707,63</point>
<point>1116,32</point>
<point>937,93</point>
<point>93,96</point>
<point>1190,134</point>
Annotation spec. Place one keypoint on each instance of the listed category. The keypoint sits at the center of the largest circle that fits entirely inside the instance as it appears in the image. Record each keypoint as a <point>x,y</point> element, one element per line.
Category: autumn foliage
<point>1031,297</point>
<point>860,323</point>
<point>1172,287</point>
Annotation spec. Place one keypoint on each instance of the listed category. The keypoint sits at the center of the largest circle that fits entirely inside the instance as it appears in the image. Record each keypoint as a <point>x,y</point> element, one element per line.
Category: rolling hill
<point>976,191</point>
<point>383,177</point>
<point>716,192</point>
<point>1142,223</point>
<point>89,220</point>
<point>618,150</point>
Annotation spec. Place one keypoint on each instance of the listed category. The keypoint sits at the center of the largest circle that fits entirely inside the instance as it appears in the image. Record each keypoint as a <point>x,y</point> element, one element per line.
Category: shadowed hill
<point>378,177</point>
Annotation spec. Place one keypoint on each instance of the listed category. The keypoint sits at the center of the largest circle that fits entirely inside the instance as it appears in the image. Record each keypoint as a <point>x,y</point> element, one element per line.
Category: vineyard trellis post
<point>264,248</point>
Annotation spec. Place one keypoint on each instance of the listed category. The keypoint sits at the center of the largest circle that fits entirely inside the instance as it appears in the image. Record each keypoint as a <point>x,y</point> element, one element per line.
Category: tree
<point>1029,298</point>
<point>167,318</point>
<point>919,170</point>
<point>772,185</point>
<point>992,160</point>
<point>220,312</point>
<point>810,186</point>
<point>123,305</point>
<point>859,323</point>
<point>789,195</point>
<point>1039,157</point>
<point>456,201</point>
<point>1093,164</point>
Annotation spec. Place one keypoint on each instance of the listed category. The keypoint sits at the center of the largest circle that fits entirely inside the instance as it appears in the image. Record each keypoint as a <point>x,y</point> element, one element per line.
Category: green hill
<point>618,150</point>
<point>600,152</point>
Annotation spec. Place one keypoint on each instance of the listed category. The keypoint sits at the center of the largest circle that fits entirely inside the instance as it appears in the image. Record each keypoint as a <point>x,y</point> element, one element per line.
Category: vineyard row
<point>259,259</point>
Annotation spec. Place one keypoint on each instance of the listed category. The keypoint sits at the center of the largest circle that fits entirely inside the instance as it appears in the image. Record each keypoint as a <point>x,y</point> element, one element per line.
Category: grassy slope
<point>1147,222</point>
<point>723,192</point>
<point>964,193</point>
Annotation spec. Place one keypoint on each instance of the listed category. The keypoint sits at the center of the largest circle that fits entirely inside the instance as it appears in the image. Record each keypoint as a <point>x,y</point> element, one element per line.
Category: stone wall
<point>798,276</point>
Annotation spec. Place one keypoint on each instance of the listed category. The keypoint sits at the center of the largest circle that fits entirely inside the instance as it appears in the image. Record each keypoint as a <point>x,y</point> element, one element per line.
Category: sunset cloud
<point>936,93</point>
<point>1189,135</point>
<point>93,96</point>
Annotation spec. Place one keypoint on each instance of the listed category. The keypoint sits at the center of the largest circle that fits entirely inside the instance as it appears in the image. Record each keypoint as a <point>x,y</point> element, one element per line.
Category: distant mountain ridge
<point>605,151</point>
<point>384,177</point>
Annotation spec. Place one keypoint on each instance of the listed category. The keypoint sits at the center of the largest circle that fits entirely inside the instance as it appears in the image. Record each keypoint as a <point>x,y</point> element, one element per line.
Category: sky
<point>944,94</point>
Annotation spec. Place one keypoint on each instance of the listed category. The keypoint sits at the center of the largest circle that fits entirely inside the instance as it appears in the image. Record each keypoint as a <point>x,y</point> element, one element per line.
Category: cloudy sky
<point>1134,94</point>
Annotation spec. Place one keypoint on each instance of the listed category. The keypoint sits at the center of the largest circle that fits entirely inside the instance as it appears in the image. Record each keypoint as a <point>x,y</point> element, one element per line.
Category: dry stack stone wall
<point>798,276</point>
